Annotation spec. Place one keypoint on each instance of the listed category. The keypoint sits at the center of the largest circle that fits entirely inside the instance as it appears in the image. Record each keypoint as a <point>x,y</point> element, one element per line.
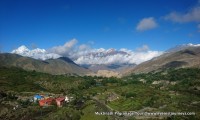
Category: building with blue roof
<point>37,97</point>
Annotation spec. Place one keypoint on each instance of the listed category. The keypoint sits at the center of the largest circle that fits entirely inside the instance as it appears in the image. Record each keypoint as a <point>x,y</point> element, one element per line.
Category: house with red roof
<point>60,101</point>
<point>46,102</point>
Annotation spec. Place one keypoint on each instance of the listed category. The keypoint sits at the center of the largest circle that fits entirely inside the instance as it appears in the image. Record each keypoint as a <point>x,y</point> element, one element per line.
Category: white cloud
<point>84,54</point>
<point>192,15</point>
<point>146,24</point>
<point>64,49</point>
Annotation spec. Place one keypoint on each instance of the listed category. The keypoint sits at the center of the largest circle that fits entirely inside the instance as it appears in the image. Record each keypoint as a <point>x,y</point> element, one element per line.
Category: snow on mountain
<point>85,54</point>
<point>181,47</point>
<point>21,50</point>
<point>112,56</point>
<point>193,45</point>
<point>90,56</point>
<point>35,53</point>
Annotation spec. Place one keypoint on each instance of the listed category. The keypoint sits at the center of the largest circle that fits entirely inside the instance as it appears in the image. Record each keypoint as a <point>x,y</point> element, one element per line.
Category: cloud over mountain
<point>85,54</point>
<point>65,49</point>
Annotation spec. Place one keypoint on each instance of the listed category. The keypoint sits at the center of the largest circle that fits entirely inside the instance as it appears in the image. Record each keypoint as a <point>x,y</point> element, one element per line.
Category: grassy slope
<point>133,94</point>
<point>15,79</point>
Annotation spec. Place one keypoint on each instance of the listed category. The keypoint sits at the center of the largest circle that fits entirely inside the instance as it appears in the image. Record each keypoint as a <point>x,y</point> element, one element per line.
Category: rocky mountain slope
<point>62,65</point>
<point>176,58</point>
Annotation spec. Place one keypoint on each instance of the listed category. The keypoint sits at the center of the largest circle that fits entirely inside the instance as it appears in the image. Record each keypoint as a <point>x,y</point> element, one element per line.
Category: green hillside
<point>172,90</point>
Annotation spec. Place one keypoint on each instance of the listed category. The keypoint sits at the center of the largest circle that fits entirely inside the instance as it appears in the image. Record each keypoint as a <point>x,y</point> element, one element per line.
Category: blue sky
<point>159,24</point>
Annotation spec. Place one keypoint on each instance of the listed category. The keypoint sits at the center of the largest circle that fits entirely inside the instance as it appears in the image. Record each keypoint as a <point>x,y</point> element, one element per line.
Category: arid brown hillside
<point>61,65</point>
<point>189,57</point>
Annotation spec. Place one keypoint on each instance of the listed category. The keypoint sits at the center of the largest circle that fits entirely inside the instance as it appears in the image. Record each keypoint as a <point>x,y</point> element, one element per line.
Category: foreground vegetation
<point>172,90</point>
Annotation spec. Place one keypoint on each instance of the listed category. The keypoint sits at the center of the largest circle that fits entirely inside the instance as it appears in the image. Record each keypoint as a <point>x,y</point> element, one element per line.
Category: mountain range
<point>62,65</point>
<point>180,56</point>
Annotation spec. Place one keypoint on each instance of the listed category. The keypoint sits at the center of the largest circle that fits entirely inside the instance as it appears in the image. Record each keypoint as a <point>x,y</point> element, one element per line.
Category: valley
<point>172,90</point>
<point>167,86</point>
<point>100,60</point>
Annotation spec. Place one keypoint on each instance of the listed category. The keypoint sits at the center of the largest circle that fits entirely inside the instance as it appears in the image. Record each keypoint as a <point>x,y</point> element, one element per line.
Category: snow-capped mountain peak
<point>35,53</point>
<point>21,49</point>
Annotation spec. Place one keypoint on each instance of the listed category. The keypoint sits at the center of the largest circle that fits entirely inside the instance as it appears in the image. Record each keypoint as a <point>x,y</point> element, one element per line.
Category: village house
<point>46,102</point>
<point>37,97</point>
<point>60,101</point>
